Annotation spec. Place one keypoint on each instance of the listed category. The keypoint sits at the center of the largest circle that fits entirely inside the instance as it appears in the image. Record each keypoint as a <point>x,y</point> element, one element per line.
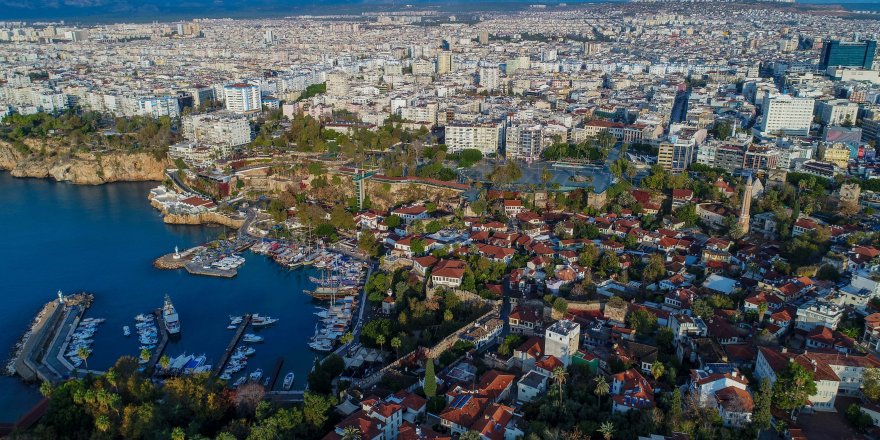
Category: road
<point>249,219</point>
<point>177,181</point>
<point>359,323</point>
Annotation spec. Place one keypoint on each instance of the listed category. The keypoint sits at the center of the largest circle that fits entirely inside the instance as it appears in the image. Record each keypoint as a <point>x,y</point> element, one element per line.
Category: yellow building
<point>838,154</point>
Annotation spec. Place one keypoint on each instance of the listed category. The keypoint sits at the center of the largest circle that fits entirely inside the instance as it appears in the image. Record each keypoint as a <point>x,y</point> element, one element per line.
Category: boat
<point>169,315</point>
<point>231,327</point>
<point>288,381</point>
<point>235,320</point>
<point>260,321</point>
<point>250,337</point>
<point>126,330</point>
<point>240,381</point>
<point>257,374</point>
<point>225,376</point>
<point>266,381</point>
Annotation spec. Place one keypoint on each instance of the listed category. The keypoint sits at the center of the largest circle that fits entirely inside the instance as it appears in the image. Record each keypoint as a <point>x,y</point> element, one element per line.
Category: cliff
<point>203,218</point>
<point>59,163</point>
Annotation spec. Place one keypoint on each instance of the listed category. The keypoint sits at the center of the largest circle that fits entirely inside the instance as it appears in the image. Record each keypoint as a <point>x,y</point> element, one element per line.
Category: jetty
<point>42,347</point>
<point>230,349</point>
<point>276,370</point>
<point>163,341</point>
<point>200,269</point>
<point>177,260</point>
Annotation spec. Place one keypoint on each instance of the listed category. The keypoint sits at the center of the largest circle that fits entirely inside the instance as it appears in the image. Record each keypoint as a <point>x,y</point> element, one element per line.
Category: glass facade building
<point>849,54</point>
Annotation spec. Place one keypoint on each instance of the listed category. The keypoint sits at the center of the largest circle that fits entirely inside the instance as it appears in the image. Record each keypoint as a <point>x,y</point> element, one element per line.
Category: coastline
<point>63,165</point>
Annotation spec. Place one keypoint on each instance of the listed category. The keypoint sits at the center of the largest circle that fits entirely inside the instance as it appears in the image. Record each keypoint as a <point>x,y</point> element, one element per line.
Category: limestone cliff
<point>203,218</point>
<point>59,163</point>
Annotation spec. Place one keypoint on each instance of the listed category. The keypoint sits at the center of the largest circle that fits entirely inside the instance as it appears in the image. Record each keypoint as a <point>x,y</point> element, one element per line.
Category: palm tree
<point>602,388</point>
<point>607,430</point>
<point>381,341</point>
<point>762,309</point>
<point>559,376</point>
<point>395,343</point>
<point>145,355</point>
<point>164,362</point>
<point>351,433</point>
<point>84,353</point>
<point>657,370</point>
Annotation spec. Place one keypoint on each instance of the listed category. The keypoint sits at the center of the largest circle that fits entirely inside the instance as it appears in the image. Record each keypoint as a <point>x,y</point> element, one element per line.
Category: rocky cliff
<point>59,163</point>
<point>203,218</point>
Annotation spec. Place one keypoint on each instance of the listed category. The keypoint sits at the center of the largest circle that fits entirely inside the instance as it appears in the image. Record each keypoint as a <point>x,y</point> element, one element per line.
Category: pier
<point>276,370</point>
<point>163,341</point>
<point>41,356</point>
<point>200,269</point>
<point>285,396</point>
<point>230,349</point>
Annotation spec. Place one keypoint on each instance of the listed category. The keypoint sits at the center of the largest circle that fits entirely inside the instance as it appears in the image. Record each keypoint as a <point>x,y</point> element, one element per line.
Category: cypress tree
<point>430,385</point>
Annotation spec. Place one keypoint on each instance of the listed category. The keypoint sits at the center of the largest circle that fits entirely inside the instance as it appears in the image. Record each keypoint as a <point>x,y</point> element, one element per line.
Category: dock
<point>163,341</point>
<point>276,370</point>
<point>199,269</point>
<point>230,349</point>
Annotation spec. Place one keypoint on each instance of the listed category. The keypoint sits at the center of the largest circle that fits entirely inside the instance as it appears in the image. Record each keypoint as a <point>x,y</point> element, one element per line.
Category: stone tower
<point>746,207</point>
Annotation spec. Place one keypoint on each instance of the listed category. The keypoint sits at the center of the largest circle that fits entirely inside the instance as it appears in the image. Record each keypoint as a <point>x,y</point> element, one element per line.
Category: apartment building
<point>485,137</point>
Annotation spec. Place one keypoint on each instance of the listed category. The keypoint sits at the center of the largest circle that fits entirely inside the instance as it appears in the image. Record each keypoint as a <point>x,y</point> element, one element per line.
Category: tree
<point>381,341</point>
<point>392,221</point>
<point>351,433</point>
<point>395,344</point>
<point>559,376</point>
<point>642,321</point>
<point>84,353</point>
<point>560,305</point>
<point>341,219</point>
<point>430,384</point>
<point>763,400</point>
<point>164,362</point>
<point>145,354</point>
<point>346,338</point>
<point>664,338</point>
<point>702,308</point>
<point>762,309</point>
<point>607,430</point>
<point>657,369</point>
<point>675,409</point>
<point>602,388</point>
<point>871,383</point>
<point>368,243</point>
<point>588,255</point>
<point>794,387</point>
<point>470,435</point>
<point>655,269</point>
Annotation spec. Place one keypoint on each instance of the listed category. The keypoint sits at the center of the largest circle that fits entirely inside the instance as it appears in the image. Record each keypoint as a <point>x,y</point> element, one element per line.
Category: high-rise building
<point>524,142</point>
<point>675,154</point>
<point>490,77</point>
<point>444,62</point>
<point>242,98</point>
<point>849,53</point>
<point>787,114</point>
<point>484,37</point>
<point>485,137</point>
<point>269,37</point>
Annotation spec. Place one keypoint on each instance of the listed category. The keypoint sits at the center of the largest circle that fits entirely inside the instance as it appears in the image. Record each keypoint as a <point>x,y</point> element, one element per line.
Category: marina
<point>91,222</point>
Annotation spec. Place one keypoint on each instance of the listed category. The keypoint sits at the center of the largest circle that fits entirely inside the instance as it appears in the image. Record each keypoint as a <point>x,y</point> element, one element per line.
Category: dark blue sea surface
<point>103,240</point>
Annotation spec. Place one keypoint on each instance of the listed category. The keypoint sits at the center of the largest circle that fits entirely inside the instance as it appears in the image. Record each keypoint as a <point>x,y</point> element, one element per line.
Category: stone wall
<point>203,218</point>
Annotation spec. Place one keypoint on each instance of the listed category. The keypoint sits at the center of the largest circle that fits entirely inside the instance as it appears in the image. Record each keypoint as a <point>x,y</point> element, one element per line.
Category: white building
<point>837,111</point>
<point>490,77</point>
<point>242,98</point>
<point>485,137</point>
<point>226,130</point>
<point>818,312</point>
<point>524,142</point>
<point>562,340</point>
<point>158,106</point>
<point>787,114</point>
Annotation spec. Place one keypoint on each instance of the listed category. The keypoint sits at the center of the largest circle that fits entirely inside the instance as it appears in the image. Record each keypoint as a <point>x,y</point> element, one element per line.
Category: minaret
<point>746,206</point>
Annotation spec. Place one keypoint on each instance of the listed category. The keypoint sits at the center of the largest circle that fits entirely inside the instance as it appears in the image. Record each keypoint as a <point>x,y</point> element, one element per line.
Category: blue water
<point>103,240</point>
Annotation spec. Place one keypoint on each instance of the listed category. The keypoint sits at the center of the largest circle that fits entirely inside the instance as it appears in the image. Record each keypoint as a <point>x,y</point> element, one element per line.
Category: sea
<point>103,240</point>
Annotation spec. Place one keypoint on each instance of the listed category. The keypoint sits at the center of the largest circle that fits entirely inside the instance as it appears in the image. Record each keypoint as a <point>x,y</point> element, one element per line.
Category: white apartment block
<point>818,312</point>
<point>788,114</point>
<point>242,98</point>
<point>216,129</point>
<point>158,106</point>
<point>524,142</point>
<point>836,111</point>
<point>337,84</point>
<point>485,137</point>
<point>490,78</point>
